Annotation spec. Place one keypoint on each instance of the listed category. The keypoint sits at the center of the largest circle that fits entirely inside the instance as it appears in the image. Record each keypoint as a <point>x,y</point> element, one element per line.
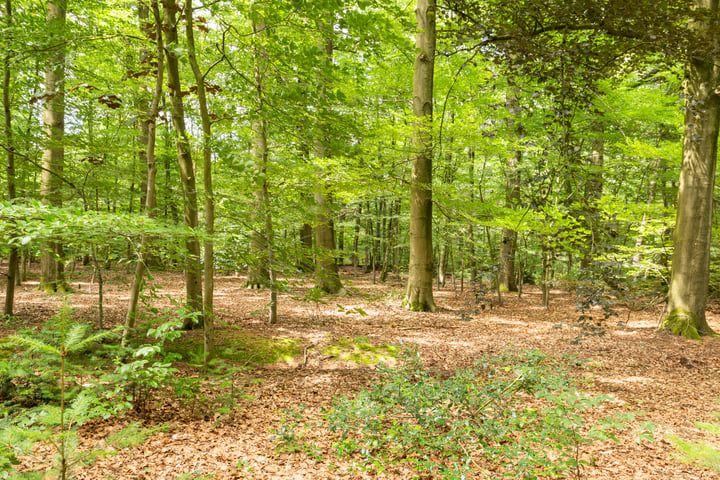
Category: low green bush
<point>519,415</point>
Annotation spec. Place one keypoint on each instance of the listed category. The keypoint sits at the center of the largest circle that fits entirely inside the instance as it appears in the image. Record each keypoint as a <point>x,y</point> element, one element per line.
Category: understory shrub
<point>700,453</point>
<point>518,415</point>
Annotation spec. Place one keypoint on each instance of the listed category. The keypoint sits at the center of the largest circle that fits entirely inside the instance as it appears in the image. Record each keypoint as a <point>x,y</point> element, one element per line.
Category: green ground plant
<point>700,453</point>
<point>56,421</point>
<point>519,415</point>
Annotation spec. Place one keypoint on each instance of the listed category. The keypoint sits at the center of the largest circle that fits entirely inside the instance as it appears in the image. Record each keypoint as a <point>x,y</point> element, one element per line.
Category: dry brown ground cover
<point>672,380</point>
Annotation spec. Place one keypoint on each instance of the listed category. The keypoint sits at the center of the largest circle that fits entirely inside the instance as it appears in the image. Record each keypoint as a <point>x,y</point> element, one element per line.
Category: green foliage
<point>519,414</point>
<point>700,453</point>
<point>55,423</point>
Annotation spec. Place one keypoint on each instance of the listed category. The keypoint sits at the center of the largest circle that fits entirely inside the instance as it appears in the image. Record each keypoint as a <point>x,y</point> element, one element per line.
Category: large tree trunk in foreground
<point>193,268</point>
<point>418,296</point>
<point>53,158</point>
<point>687,296</point>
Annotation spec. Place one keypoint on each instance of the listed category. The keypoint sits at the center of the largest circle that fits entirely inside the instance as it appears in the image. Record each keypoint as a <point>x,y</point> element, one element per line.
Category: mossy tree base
<point>415,301</point>
<point>686,324</point>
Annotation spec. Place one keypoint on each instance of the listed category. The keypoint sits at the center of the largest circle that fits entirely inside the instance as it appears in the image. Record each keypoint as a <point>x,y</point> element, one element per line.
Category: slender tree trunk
<point>356,240</point>
<point>150,193</point>
<point>392,237</point>
<point>51,268</point>
<point>658,168</point>
<point>419,288</point>
<point>208,246</point>
<point>193,268</point>
<point>593,193</point>
<point>305,262</point>
<point>508,245</point>
<point>263,272</point>
<point>687,295</point>
<point>258,272</point>
<point>10,170</point>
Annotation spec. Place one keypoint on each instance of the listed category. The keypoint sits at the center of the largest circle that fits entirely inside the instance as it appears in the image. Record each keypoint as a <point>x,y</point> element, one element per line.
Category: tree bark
<point>593,193</point>
<point>13,261</point>
<point>687,295</point>
<point>264,274</point>
<point>208,246</point>
<point>151,193</point>
<point>52,278</point>
<point>193,268</point>
<point>418,296</point>
<point>508,242</point>
<point>258,269</point>
<point>327,276</point>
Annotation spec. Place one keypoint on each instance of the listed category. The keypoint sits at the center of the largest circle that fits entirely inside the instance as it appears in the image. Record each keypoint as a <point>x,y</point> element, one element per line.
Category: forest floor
<point>672,381</point>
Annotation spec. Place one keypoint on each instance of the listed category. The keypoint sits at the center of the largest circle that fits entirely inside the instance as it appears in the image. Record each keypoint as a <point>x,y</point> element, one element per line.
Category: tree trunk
<point>508,245</point>
<point>687,296</point>
<point>262,273</point>
<point>356,239</point>
<point>593,193</point>
<point>150,195</point>
<point>327,276</point>
<point>208,246</point>
<point>419,288</point>
<point>51,267</point>
<point>193,268</point>
<point>14,256</point>
<point>305,262</point>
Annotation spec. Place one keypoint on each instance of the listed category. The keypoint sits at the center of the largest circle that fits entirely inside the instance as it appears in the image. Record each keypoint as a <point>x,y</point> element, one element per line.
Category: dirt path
<point>673,380</point>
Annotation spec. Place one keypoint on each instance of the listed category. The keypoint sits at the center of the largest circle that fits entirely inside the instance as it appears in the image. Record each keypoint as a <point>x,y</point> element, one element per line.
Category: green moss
<point>359,350</point>
<point>240,348</point>
<point>682,323</point>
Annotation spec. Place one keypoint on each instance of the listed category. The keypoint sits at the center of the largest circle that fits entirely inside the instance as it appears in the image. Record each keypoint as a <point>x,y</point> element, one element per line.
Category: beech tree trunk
<point>150,196</point>
<point>327,277</point>
<point>593,193</point>
<point>258,269</point>
<point>687,295</point>
<point>13,260</point>
<point>193,268</point>
<point>262,273</point>
<point>419,295</point>
<point>208,246</point>
<point>52,278</point>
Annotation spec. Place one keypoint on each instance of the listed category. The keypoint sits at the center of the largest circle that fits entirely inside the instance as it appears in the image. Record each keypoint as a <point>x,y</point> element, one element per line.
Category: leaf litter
<point>274,429</point>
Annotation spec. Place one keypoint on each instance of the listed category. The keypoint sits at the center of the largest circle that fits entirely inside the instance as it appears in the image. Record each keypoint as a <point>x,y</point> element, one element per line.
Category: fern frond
<point>79,408</point>
<point>74,336</point>
<point>700,453</point>
<point>33,344</point>
<point>95,338</point>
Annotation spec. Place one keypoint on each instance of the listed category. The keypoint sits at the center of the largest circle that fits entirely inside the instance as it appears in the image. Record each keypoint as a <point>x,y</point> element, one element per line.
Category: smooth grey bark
<point>13,260</point>
<point>687,295</point>
<point>419,296</point>
<point>327,277</point>
<point>52,278</point>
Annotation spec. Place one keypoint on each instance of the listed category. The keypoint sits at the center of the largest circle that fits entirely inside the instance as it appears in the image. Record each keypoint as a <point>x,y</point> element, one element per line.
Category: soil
<point>672,381</point>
